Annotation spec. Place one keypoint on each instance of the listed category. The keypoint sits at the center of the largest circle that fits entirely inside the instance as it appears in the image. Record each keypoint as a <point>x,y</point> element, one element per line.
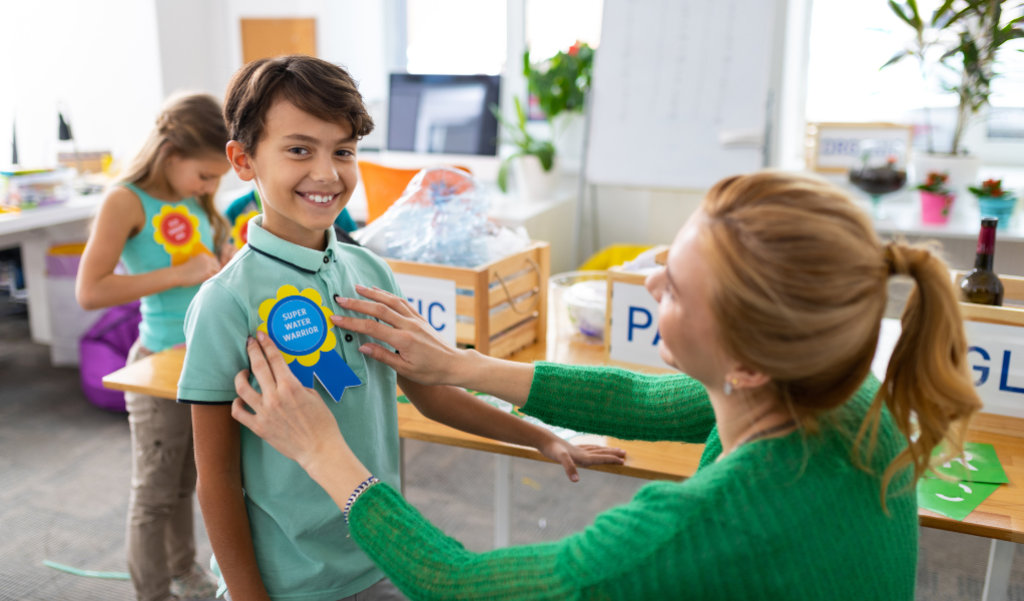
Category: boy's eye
<point>297,150</point>
<point>345,153</point>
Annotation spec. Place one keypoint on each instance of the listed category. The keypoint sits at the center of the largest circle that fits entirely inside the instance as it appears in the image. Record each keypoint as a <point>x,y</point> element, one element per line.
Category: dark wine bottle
<point>982,285</point>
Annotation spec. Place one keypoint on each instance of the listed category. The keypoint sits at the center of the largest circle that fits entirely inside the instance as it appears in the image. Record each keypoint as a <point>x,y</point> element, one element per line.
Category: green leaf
<point>939,18</point>
<point>896,58</point>
<point>896,8</point>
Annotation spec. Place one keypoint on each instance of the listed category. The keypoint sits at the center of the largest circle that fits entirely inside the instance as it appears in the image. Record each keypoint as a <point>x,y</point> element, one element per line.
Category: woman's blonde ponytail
<point>927,386</point>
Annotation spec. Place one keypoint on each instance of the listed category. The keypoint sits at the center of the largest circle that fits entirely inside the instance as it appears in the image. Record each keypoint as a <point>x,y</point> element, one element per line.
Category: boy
<point>294,122</point>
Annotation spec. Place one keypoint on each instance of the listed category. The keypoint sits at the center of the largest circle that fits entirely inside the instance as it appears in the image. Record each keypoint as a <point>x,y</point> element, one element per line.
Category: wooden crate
<point>506,300</point>
<point>1010,314</point>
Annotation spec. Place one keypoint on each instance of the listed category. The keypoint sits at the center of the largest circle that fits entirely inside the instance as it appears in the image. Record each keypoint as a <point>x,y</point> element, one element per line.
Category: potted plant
<point>994,201</point>
<point>962,37</point>
<point>536,172</point>
<point>936,198</point>
<point>560,85</point>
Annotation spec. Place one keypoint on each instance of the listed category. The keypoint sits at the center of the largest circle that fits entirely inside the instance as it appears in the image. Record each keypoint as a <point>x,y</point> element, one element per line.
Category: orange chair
<point>384,185</point>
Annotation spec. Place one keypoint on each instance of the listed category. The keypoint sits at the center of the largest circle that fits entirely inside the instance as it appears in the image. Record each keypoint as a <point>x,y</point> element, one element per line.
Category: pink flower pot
<point>935,208</point>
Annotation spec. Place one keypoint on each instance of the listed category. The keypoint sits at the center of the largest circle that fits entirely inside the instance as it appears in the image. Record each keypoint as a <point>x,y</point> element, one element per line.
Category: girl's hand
<point>227,250</point>
<point>197,270</point>
<point>289,416</point>
<point>570,455</point>
<point>423,356</point>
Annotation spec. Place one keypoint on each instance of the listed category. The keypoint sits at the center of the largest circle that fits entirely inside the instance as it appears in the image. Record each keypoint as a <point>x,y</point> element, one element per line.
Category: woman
<point>770,303</point>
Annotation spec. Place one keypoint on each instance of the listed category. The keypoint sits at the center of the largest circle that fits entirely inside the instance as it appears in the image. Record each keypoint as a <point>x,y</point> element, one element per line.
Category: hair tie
<point>890,256</point>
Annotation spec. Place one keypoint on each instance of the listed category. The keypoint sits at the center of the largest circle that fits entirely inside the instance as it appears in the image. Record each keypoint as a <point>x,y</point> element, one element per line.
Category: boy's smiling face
<point>305,169</point>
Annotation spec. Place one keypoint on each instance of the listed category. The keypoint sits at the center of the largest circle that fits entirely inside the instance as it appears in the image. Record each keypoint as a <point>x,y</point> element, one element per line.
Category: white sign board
<point>434,299</point>
<point>995,354</point>
<point>634,332</point>
<point>837,147</point>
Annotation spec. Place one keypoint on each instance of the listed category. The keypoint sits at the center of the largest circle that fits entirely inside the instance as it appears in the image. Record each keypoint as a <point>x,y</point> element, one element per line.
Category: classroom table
<point>1000,517</point>
<point>35,231</point>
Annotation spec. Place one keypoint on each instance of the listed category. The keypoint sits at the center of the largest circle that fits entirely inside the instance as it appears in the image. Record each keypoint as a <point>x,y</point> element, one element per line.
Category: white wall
<point>100,60</point>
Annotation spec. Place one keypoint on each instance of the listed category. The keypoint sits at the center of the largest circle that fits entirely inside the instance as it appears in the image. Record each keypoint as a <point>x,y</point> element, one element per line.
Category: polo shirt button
<point>326,260</point>
<point>348,337</point>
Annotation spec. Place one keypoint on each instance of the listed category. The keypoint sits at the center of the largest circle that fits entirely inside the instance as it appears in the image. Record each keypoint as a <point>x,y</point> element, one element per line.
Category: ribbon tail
<point>334,374</point>
<point>303,373</point>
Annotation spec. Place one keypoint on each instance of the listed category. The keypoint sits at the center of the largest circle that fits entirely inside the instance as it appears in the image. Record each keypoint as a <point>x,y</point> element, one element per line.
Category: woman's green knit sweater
<point>780,518</point>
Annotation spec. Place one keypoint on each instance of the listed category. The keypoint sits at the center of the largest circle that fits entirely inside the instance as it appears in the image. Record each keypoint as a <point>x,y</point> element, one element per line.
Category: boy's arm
<point>461,410</point>
<point>219,488</point>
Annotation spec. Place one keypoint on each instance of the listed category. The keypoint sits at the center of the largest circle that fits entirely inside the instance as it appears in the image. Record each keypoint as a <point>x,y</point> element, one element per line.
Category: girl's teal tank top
<point>174,232</point>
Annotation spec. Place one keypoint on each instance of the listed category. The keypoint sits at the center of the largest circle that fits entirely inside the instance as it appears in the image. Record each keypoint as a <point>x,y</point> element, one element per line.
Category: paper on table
<point>979,463</point>
<point>952,499</point>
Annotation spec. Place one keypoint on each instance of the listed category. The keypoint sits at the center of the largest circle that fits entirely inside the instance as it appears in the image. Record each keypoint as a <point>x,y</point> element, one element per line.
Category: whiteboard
<point>680,93</point>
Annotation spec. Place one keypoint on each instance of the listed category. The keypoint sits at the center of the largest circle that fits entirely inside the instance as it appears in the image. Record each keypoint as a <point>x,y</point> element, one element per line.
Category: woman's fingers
<point>242,416</point>
<point>260,367</point>
<point>371,328</point>
<point>371,308</point>
<point>277,365</point>
<point>397,304</point>
<point>381,354</point>
<point>246,392</point>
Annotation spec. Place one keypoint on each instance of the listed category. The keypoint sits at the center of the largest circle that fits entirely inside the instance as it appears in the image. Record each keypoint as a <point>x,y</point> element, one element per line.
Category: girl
<point>770,304</point>
<point>161,222</point>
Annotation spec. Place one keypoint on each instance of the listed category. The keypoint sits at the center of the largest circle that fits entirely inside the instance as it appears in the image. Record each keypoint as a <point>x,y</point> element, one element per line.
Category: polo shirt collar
<point>306,259</point>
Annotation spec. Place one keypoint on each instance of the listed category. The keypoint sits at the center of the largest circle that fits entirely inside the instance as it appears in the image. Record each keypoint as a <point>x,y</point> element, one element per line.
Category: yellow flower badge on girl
<point>240,231</point>
<point>177,231</point>
<point>297,322</point>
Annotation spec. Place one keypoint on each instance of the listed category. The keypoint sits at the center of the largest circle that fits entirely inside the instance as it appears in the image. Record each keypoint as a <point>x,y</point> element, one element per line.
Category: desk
<point>1000,517</point>
<point>35,231</point>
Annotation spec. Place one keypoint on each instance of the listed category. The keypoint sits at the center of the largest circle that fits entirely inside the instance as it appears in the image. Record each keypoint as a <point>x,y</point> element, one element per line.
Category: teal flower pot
<point>1001,207</point>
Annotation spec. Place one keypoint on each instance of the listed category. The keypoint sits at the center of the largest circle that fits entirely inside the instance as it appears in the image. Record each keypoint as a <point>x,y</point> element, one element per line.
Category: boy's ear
<point>240,161</point>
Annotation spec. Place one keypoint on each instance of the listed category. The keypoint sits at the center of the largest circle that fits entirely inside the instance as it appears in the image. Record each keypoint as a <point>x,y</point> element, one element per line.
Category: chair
<point>384,185</point>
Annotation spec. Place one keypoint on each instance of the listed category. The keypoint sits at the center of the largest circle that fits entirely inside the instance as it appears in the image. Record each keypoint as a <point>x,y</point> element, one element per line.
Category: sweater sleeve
<point>620,403</point>
<point>626,548</point>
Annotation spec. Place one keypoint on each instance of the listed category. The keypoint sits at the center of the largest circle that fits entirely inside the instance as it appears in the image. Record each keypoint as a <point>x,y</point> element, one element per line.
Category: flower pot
<point>935,208</point>
<point>962,170</point>
<point>1000,207</point>
<point>568,139</point>
<point>532,182</point>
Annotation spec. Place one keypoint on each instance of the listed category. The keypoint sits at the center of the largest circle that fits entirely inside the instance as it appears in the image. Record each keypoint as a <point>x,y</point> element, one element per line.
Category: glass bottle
<point>982,285</point>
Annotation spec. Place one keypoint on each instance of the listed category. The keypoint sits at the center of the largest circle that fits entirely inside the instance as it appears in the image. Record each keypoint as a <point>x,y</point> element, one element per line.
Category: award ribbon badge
<point>240,232</point>
<point>297,322</point>
<point>177,231</point>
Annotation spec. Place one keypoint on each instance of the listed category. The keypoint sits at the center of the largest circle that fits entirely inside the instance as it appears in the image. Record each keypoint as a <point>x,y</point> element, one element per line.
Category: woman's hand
<point>571,456</point>
<point>289,416</point>
<point>423,356</point>
<point>197,270</point>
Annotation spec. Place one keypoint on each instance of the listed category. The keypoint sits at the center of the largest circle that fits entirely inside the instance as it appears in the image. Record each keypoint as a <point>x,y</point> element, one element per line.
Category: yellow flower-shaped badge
<point>240,231</point>
<point>177,231</point>
<point>299,325</point>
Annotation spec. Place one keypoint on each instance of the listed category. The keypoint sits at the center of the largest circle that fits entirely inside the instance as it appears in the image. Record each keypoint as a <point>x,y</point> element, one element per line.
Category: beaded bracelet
<point>355,495</point>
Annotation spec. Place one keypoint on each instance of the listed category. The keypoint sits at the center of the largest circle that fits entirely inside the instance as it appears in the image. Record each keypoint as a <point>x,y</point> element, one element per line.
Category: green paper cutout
<point>957,500</point>
<point>979,463</point>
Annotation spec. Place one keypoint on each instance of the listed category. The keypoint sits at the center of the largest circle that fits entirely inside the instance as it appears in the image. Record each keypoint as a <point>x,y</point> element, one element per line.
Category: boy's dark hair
<point>315,86</point>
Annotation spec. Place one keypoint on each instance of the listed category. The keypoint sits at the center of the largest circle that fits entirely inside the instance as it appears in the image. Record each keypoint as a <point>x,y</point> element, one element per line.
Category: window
<point>459,37</point>
<point>553,25</point>
<point>849,43</point>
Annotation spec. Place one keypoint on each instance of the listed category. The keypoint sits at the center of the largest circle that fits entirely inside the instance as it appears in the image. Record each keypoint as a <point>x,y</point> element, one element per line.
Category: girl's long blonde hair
<point>800,290</point>
<point>191,125</point>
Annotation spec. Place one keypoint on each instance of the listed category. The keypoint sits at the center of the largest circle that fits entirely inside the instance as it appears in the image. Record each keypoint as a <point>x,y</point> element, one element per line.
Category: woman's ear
<point>744,378</point>
<point>241,162</point>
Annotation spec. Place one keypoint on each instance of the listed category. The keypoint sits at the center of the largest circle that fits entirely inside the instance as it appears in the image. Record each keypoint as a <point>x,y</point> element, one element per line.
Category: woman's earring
<point>727,388</point>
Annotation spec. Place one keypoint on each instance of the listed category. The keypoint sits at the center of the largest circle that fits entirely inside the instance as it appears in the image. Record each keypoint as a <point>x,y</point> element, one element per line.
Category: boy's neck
<point>290,231</point>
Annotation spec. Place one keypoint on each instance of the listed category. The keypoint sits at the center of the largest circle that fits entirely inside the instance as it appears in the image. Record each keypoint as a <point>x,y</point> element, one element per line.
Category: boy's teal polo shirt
<point>301,541</point>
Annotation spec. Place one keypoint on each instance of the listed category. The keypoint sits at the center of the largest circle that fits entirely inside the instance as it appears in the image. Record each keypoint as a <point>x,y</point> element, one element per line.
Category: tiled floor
<point>64,470</point>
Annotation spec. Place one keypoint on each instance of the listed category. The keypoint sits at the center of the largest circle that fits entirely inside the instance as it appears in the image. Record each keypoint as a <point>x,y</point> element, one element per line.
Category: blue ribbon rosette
<point>297,322</point>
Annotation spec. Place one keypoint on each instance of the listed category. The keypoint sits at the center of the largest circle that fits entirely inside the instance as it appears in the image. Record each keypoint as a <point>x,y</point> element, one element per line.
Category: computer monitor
<point>449,114</point>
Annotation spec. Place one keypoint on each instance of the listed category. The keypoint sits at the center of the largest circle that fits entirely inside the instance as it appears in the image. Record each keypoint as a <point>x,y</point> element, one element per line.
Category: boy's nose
<point>324,171</point>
